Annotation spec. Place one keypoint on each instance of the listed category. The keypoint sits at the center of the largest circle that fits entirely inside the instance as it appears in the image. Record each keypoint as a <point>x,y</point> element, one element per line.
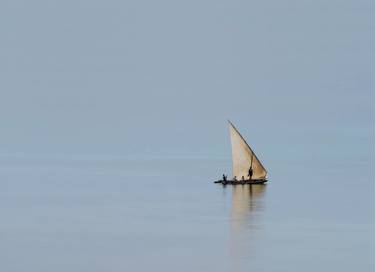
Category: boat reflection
<point>246,226</point>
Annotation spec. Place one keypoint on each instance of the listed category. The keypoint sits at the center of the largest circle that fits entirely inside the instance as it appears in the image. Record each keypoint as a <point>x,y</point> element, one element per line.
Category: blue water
<point>120,214</point>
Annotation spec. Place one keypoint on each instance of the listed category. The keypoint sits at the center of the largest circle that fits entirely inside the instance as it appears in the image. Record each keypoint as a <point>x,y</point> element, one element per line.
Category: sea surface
<point>166,214</point>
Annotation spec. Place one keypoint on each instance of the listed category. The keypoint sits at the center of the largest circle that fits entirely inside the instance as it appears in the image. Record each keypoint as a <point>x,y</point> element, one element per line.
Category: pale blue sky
<point>160,78</point>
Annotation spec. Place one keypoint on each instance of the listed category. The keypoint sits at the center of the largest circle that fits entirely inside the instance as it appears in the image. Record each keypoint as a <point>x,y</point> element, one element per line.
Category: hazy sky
<point>161,77</point>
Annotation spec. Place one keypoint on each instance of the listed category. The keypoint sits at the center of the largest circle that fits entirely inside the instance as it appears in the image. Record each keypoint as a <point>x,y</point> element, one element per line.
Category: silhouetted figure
<point>235,178</point>
<point>250,175</point>
<point>224,177</point>
<point>243,178</point>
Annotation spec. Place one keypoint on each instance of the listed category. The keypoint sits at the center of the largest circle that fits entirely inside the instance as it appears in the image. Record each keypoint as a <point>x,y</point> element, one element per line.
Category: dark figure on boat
<point>250,175</point>
<point>243,178</point>
<point>224,177</point>
<point>235,178</point>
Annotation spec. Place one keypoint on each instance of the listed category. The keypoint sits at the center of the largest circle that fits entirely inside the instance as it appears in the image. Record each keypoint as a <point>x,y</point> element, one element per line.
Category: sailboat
<point>246,167</point>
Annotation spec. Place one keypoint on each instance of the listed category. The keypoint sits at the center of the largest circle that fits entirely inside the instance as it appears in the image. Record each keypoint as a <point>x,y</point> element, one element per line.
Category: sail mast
<point>252,155</point>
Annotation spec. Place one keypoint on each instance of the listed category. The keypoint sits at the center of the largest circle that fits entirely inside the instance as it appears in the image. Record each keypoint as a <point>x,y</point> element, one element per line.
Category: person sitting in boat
<point>250,175</point>
<point>234,178</point>
<point>243,178</point>
<point>224,177</point>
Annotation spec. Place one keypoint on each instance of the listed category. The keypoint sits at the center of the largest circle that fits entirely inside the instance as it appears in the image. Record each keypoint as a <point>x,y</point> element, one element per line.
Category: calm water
<point>116,214</point>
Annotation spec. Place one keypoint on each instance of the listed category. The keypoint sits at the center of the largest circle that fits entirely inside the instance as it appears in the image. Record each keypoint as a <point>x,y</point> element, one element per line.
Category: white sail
<point>243,157</point>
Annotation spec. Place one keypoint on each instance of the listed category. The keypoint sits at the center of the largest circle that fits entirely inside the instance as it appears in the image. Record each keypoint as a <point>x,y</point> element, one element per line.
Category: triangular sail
<point>243,157</point>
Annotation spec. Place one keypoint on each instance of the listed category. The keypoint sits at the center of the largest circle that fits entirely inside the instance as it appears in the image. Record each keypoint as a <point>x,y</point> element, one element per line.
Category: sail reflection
<point>246,226</point>
<point>247,203</point>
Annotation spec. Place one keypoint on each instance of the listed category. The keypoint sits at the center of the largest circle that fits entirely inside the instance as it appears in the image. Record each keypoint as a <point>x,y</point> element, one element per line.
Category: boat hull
<point>241,182</point>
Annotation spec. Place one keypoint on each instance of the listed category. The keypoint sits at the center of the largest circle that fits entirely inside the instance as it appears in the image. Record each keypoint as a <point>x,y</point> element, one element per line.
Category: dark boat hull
<point>241,182</point>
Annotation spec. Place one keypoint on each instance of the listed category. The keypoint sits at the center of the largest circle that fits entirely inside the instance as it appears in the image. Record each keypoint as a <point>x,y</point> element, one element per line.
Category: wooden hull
<point>241,182</point>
